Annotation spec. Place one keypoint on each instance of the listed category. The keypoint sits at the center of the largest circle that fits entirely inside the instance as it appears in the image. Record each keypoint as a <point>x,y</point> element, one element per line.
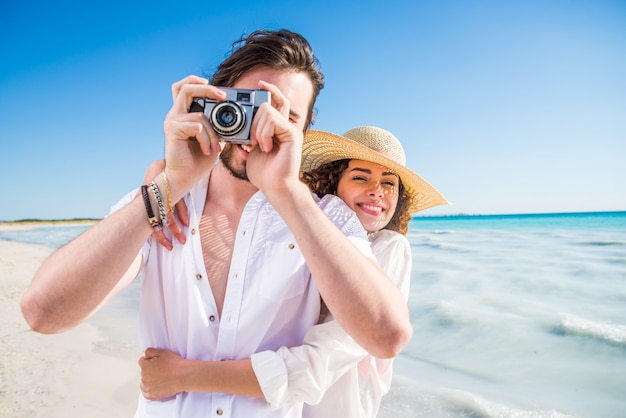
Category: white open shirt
<point>271,301</point>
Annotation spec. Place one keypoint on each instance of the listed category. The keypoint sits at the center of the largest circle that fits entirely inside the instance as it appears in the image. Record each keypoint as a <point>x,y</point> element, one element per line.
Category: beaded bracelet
<point>159,200</point>
<point>154,222</point>
<point>167,191</point>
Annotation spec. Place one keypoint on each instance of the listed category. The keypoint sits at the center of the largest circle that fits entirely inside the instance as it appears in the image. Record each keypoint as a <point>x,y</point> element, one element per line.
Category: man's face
<point>296,87</point>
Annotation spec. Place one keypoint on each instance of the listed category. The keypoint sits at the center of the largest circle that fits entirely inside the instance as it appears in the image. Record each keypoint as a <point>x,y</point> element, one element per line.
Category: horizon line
<point>451,215</point>
<point>517,214</point>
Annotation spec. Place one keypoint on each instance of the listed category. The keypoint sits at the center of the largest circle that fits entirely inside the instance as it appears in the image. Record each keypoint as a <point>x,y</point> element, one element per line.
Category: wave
<point>406,400</point>
<point>49,236</point>
<point>470,405</point>
<point>604,332</point>
<point>601,243</point>
<point>432,244</point>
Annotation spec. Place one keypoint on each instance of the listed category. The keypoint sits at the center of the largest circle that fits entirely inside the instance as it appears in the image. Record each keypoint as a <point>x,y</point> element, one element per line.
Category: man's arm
<point>78,278</point>
<point>305,373</point>
<point>358,293</point>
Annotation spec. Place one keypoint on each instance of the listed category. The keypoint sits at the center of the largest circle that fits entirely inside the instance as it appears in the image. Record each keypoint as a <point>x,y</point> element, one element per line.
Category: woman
<point>330,373</point>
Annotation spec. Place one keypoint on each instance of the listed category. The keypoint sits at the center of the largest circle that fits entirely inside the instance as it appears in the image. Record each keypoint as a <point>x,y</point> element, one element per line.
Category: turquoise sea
<point>513,316</point>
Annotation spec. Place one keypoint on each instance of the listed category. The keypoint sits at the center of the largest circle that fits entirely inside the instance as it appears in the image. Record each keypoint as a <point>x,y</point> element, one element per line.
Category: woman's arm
<point>297,374</point>
<point>164,374</point>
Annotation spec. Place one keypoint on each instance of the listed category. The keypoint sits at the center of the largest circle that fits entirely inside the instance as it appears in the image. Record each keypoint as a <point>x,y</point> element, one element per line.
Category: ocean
<point>513,316</point>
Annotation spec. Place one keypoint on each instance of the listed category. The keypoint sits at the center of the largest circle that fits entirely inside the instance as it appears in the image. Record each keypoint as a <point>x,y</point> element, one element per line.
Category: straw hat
<point>373,144</point>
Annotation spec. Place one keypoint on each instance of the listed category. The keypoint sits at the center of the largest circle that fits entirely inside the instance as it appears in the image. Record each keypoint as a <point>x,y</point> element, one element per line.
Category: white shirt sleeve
<point>304,373</point>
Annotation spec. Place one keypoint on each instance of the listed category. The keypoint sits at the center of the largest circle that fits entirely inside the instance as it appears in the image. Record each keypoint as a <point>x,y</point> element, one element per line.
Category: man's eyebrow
<point>295,115</point>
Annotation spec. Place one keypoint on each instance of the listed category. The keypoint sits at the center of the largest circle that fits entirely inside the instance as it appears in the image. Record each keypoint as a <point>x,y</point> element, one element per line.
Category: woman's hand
<point>161,374</point>
<point>155,169</point>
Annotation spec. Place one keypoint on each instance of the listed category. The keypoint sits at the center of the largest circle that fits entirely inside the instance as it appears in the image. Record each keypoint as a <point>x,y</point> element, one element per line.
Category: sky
<point>505,107</point>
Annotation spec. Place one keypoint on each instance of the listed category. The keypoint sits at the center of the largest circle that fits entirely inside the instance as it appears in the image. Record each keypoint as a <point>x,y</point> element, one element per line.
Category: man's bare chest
<point>217,236</point>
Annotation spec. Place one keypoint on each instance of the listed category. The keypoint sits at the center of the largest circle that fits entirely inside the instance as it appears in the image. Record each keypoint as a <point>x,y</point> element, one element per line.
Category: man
<point>242,281</point>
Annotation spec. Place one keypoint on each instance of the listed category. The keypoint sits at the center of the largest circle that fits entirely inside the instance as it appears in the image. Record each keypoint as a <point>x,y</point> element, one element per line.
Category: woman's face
<point>371,190</point>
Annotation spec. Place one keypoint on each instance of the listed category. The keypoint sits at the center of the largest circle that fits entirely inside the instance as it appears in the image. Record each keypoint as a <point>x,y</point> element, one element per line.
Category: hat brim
<point>322,147</point>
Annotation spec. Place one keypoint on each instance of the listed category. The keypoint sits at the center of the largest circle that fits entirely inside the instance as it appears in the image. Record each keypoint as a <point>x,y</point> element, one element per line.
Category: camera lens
<point>227,118</point>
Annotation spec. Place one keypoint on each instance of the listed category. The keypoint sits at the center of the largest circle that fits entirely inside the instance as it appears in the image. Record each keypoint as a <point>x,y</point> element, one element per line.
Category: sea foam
<point>604,332</point>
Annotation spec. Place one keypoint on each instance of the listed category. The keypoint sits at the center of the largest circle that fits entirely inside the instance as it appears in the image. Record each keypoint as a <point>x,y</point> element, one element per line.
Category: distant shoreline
<point>37,223</point>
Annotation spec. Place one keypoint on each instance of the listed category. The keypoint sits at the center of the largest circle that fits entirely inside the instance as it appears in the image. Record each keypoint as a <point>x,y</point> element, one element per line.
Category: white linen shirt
<point>270,301</point>
<point>330,371</point>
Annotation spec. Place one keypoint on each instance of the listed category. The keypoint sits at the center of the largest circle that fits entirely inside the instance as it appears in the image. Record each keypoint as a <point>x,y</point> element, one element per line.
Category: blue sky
<point>504,106</point>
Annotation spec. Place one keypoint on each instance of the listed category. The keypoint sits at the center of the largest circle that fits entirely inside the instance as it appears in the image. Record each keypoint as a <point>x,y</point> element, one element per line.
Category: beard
<point>238,171</point>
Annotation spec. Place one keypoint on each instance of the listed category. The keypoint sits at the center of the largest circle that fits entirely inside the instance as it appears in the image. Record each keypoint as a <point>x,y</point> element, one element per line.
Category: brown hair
<point>325,180</point>
<point>280,50</point>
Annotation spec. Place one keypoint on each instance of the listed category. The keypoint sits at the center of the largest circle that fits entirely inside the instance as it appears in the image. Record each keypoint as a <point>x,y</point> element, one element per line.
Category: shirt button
<point>291,246</point>
<point>193,231</point>
<point>198,276</point>
<point>219,411</point>
<point>212,318</point>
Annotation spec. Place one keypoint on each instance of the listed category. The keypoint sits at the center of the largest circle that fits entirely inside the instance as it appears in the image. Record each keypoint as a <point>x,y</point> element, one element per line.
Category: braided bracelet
<point>159,200</point>
<point>154,222</point>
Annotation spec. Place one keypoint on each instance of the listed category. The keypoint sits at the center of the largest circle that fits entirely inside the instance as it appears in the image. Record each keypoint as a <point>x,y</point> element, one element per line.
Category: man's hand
<point>191,145</point>
<point>274,165</point>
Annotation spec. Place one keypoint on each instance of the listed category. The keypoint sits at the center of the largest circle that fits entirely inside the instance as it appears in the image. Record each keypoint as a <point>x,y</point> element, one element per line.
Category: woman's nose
<point>375,190</point>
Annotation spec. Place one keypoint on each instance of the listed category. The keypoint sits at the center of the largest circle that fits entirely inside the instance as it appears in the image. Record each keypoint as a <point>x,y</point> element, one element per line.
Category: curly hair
<point>325,180</point>
<point>280,50</point>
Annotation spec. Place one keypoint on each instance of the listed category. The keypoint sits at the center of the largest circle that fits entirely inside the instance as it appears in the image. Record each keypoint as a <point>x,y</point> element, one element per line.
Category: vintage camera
<point>231,118</point>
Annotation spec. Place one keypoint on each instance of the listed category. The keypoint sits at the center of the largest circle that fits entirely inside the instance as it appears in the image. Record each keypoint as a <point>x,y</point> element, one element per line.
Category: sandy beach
<point>66,375</point>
